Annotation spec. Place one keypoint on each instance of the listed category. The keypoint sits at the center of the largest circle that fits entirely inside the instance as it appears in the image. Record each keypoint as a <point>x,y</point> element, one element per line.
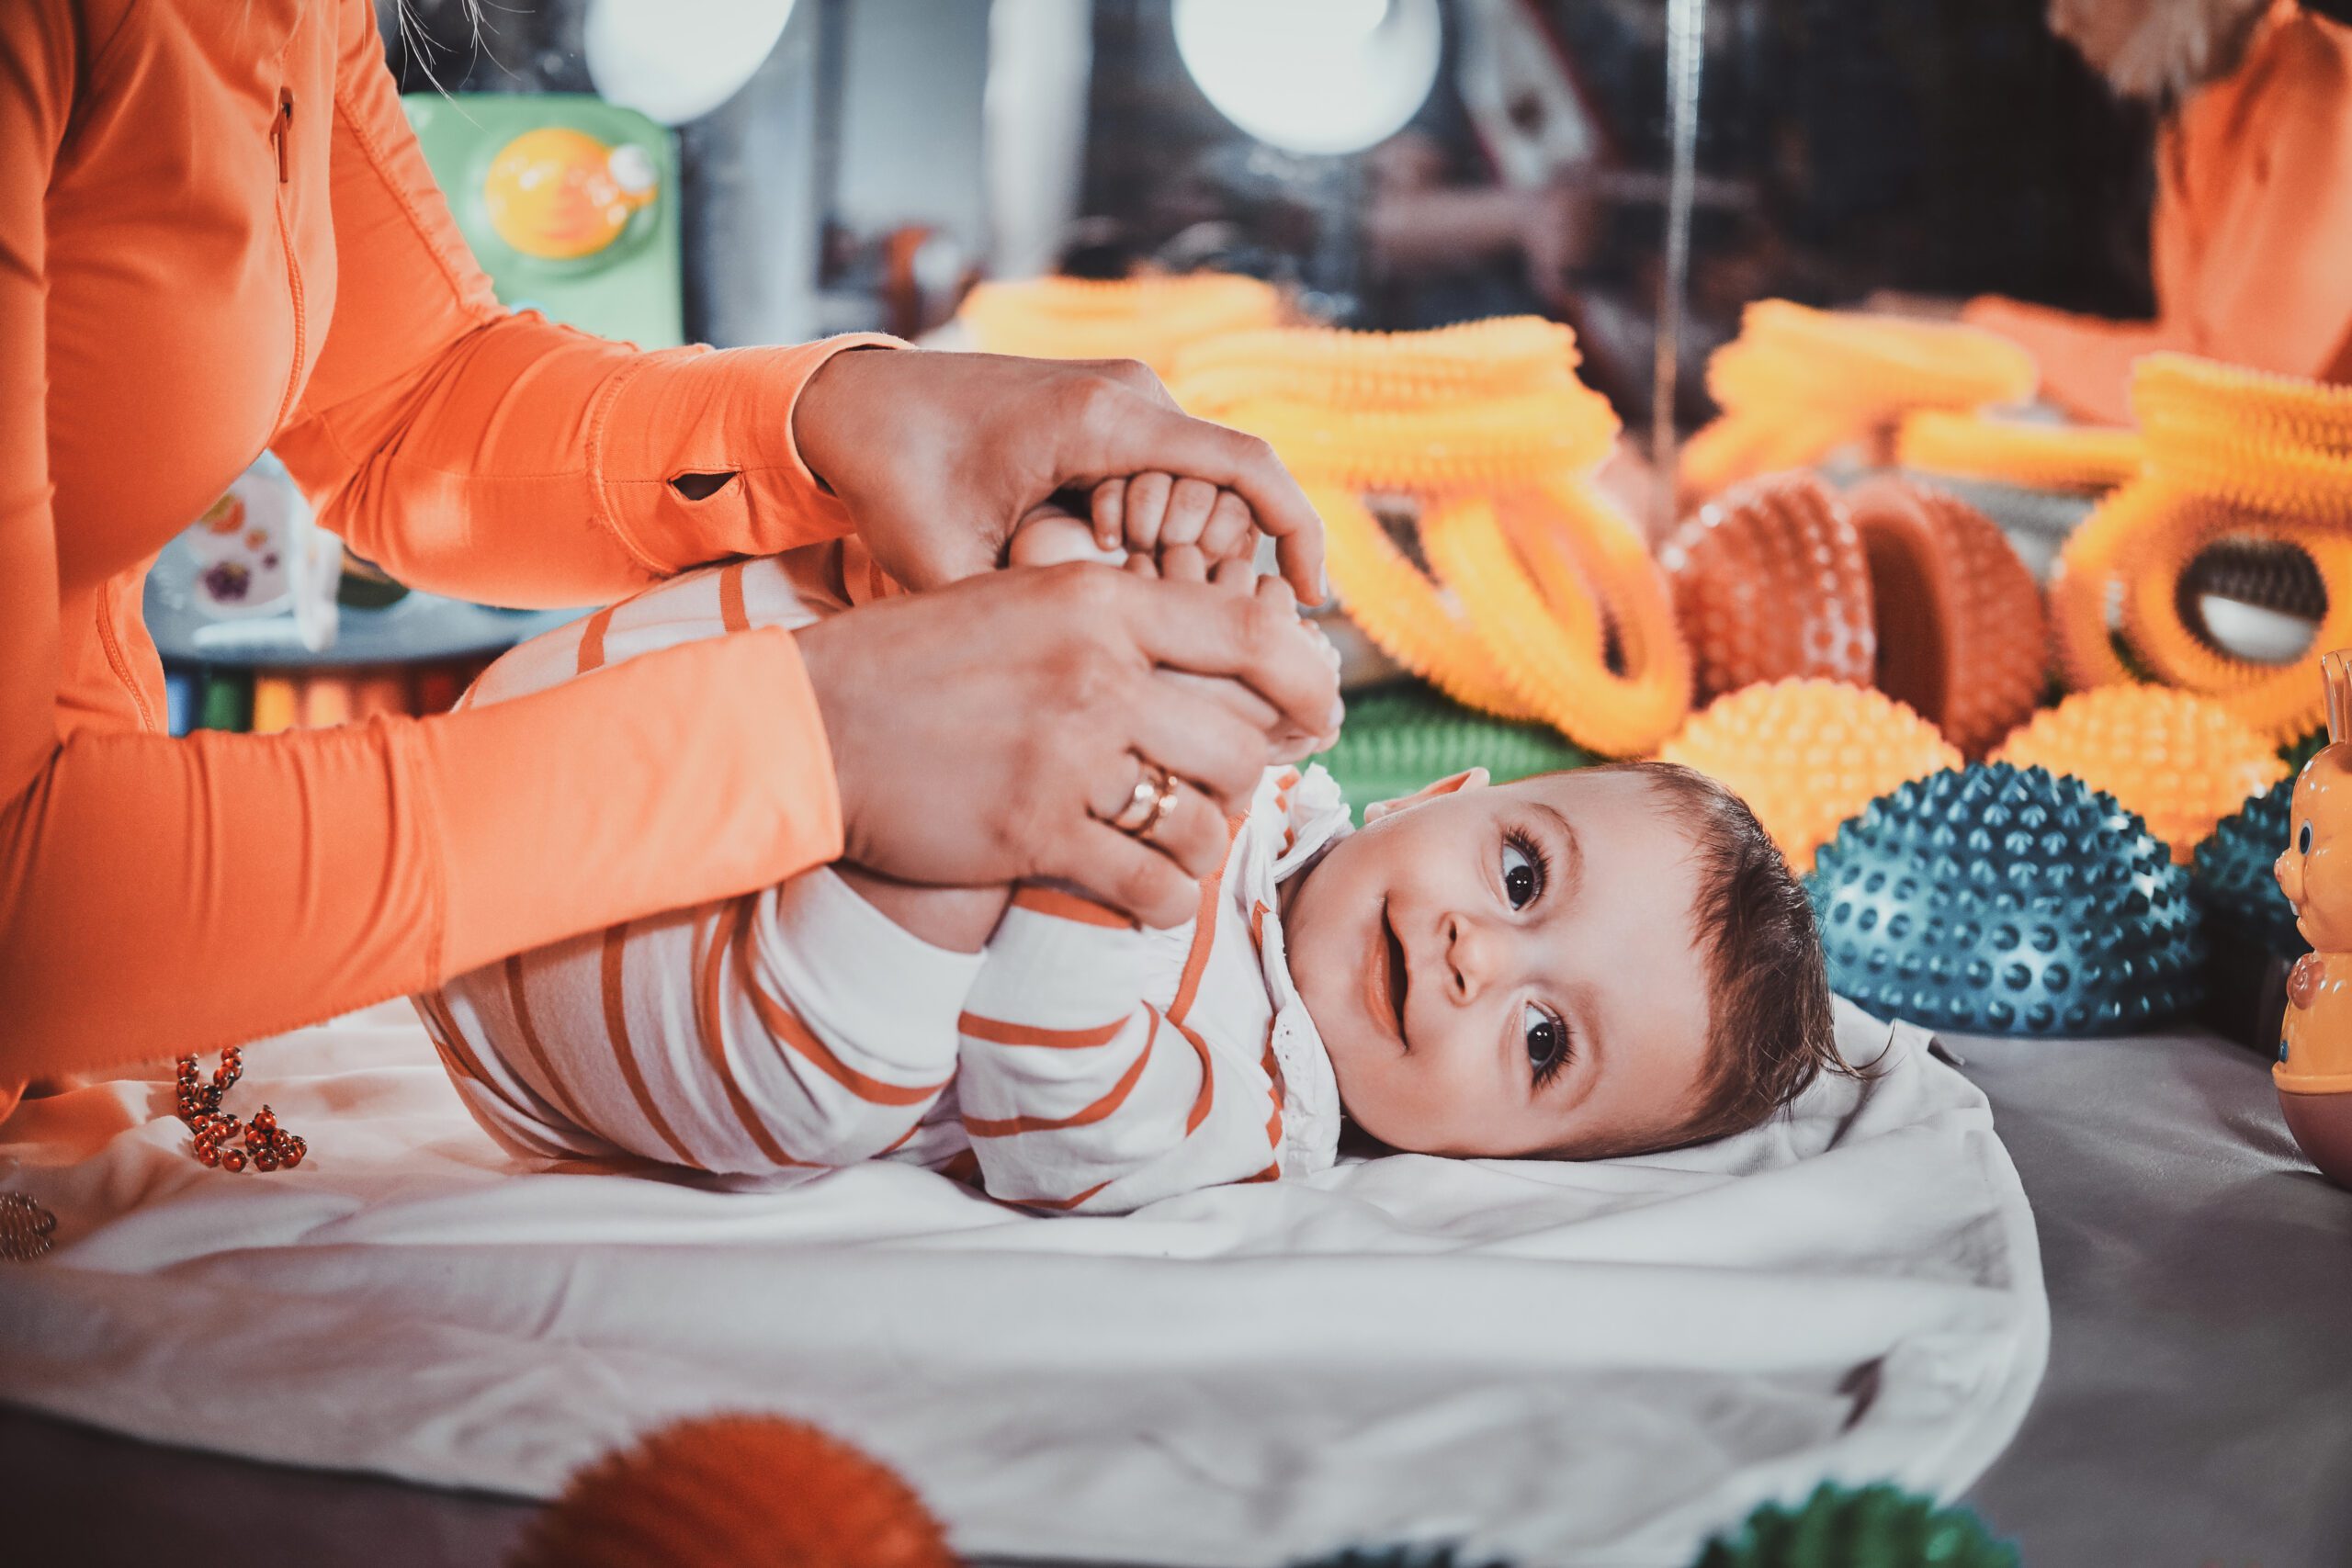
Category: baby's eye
<point>1521,879</point>
<point>1547,1043</point>
<point>2303,839</point>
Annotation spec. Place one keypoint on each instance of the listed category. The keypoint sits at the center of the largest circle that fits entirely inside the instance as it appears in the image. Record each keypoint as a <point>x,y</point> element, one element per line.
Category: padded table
<point>2198,1409</point>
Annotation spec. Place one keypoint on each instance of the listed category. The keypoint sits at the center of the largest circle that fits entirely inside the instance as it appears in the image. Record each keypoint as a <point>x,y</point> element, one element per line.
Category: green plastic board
<point>594,204</point>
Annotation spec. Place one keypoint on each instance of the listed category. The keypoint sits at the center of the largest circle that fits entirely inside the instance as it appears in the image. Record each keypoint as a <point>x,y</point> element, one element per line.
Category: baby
<point>1602,962</point>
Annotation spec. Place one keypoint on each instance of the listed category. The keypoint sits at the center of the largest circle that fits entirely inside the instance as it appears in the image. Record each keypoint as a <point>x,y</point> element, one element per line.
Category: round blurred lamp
<point>673,60</point>
<point>1312,75</point>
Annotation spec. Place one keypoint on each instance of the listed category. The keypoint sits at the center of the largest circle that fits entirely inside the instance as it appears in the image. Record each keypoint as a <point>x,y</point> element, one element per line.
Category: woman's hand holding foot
<point>992,731</point>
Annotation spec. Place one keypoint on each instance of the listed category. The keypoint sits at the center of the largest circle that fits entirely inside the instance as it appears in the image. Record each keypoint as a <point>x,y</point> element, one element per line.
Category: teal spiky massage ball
<point>2000,900</point>
<point>1877,1527</point>
<point>1399,737</point>
<point>1409,1556</point>
<point>2231,872</point>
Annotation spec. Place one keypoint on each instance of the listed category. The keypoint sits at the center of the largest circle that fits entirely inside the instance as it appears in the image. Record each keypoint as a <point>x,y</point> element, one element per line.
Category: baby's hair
<point>1769,1030</point>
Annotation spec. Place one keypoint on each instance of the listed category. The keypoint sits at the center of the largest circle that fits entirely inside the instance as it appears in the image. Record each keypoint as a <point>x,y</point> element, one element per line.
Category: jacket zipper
<point>281,130</point>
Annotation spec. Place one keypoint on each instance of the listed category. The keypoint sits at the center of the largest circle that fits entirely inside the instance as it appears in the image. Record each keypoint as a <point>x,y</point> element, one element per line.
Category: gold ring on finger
<point>1162,804</point>
<point>1143,806</point>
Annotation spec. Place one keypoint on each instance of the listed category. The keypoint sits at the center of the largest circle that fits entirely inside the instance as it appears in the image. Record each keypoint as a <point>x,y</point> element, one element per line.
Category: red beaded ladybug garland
<point>267,1145</point>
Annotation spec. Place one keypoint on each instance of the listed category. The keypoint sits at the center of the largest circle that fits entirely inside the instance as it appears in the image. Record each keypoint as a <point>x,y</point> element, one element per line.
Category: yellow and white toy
<point>2313,1073</point>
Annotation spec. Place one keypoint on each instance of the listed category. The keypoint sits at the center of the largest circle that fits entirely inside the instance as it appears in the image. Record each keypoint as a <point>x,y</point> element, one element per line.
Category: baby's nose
<point>1470,955</point>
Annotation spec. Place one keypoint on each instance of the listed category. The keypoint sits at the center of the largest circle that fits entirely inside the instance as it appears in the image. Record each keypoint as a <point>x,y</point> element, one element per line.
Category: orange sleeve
<point>2086,360</point>
<point>497,455</point>
<point>2268,280</point>
<point>2253,229</point>
<point>159,895</point>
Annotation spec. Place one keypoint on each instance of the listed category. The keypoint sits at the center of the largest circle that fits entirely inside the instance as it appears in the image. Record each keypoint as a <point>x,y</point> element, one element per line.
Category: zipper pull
<point>281,128</point>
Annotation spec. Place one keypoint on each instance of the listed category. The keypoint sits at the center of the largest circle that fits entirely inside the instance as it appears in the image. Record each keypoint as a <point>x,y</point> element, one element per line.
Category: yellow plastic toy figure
<point>2313,1073</point>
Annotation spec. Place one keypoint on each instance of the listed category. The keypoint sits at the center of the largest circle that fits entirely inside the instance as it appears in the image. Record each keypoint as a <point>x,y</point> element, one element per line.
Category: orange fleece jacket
<point>2252,244</point>
<point>216,234</point>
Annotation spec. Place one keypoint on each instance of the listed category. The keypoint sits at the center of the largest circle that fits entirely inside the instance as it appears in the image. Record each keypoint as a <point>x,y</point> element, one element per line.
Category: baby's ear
<point>1474,778</point>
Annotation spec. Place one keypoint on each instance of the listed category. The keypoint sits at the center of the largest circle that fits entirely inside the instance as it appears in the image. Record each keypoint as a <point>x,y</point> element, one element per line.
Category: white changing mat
<point>1560,1363</point>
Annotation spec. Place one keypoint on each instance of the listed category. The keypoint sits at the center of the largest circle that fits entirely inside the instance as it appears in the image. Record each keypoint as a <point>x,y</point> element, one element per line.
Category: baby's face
<point>1510,970</point>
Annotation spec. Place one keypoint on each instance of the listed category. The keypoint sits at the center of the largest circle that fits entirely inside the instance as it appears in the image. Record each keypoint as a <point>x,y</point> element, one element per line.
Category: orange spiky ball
<point>1771,583</point>
<point>738,1491</point>
<point>2179,760</point>
<point>1961,633</point>
<point>1806,755</point>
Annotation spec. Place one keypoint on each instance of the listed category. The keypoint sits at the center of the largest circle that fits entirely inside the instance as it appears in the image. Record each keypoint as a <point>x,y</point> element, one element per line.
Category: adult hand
<point>939,456</point>
<point>990,731</point>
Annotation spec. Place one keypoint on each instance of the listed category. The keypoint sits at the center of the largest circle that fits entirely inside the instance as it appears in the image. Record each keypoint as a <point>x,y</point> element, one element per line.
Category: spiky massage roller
<point>1151,318</point>
<point>1797,384</point>
<point>2034,456</point>
<point>1961,633</point>
<point>1770,583</point>
<point>1401,737</point>
<point>1996,900</point>
<point>1877,1527</point>
<point>1544,602</point>
<point>2233,874</point>
<point>2232,454</point>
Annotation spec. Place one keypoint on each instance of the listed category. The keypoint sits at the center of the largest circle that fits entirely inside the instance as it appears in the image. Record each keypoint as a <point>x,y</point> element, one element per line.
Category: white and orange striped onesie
<point>1078,1064</point>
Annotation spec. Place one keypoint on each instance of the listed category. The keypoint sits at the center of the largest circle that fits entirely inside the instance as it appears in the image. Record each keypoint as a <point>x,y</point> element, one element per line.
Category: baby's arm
<point>1079,1095</point>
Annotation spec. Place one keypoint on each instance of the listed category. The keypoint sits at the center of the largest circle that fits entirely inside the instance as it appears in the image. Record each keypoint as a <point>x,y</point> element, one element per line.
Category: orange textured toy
<point>1806,755</point>
<point>1548,632</point>
<point>1960,636</point>
<point>736,1491</point>
<point>1545,603</point>
<point>2178,759</point>
<point>2231,453</point>
<point>1770,583</point>
<point>2035,456</point>
<point>1797,384</point>
<point>1150,318</point>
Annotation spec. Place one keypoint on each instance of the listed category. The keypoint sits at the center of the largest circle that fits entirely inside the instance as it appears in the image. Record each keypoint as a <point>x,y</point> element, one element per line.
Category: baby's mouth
<point>1385,980</point>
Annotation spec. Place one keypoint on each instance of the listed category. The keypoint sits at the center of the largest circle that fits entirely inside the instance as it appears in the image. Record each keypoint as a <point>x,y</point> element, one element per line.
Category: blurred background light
<point>1313,76</point>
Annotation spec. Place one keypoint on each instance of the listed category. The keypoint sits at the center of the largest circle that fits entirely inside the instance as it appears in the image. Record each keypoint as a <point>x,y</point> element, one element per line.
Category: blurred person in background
<point>2251,238</point>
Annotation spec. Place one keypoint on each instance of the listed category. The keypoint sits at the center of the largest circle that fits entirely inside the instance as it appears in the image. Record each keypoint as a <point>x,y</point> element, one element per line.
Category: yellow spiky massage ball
<point>1807,754</point>
<point>2181,760</point>
<point>738,1491</point>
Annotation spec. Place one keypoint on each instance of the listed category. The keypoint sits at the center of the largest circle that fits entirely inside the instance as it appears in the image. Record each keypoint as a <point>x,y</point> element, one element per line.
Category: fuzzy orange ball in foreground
<point>1806,755</point>
<point>736,1491</point>
<point>2180,760</point>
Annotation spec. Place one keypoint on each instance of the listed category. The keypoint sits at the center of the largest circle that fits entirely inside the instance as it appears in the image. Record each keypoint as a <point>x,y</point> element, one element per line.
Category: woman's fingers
<point>1199,740</point>
<point>1254,639</point>
<point>1285,741</point>
<point>1130,874</point>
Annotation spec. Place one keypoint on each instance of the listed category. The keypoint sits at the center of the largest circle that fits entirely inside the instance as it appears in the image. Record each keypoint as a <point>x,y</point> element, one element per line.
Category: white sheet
<point>1559,1363</point>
